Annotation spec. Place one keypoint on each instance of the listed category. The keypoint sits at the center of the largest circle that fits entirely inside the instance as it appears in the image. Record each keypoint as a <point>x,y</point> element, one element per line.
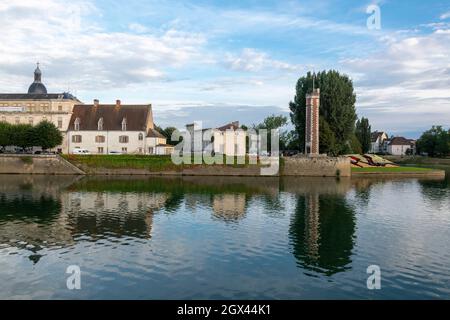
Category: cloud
<point>252,60</point>
<point>445,15</point>
<point>66,38</point>
<point>407,79</point>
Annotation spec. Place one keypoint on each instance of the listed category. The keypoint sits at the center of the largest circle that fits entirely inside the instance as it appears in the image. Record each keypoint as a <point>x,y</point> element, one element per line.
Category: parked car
<point>115,152</point>
<point>80,151</point>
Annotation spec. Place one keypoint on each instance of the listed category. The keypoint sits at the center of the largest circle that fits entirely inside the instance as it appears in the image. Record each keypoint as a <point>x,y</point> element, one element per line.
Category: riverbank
<point>398,171</point>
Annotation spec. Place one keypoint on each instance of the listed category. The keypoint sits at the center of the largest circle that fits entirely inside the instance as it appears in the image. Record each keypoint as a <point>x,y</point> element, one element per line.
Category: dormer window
<point>77,124</point>
<point>100,124</point>
<point>124,124</point>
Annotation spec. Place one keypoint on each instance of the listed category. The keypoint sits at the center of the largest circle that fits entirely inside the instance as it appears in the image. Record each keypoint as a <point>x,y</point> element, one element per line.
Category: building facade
<point>37,105</point>
<point>115,129</point>
<point>312,123</point>
<point>400,146</point>
<point>378,140</point>
<point>228,140</point>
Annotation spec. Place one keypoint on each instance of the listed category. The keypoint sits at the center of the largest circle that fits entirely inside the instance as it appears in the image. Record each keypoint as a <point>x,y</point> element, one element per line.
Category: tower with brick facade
<point>312,123</point>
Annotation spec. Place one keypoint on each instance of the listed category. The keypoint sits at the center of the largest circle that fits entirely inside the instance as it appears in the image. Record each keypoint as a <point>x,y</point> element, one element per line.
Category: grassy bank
<point>147,162</point>
<point>419,160</point>
<point>390,170</point>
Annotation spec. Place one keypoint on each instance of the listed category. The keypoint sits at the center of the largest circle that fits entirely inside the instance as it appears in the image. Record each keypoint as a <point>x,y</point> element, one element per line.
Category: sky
<point>221,61</point>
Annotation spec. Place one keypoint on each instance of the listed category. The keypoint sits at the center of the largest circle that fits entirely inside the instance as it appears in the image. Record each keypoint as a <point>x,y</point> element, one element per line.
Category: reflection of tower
<point>312,232</point>
<point>312,122</point>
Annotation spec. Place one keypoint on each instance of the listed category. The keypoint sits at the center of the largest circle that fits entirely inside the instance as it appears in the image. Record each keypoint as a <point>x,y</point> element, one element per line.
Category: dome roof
<point>37,87</point>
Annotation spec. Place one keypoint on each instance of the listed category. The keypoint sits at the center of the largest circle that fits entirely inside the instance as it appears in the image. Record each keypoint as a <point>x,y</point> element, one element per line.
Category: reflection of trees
<point>436,190</point>
<point>40,210</point>
<point>322,233</point>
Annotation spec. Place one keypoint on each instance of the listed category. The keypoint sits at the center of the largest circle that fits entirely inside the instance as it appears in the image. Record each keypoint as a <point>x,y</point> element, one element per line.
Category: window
<point>140,150</point>
<point>76,139</point>
<point>60,123</point>
<point>77,124</point>
<point>150,150</point>
<point>59,108</point>
<point>123,139</point>
<point>100,150</point>
<point>100,124</point>
<point>124,124</point>
<point>124,150</point>
<point>100,139</point>
<point>30,121</point>
<point>141,137</point>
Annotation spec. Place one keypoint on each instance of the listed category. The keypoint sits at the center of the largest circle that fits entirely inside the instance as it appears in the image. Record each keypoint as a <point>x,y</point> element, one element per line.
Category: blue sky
<point>220,61</point>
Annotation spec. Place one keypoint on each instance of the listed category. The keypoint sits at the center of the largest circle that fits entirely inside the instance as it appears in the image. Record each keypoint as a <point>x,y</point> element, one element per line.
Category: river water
<point>223,238</point>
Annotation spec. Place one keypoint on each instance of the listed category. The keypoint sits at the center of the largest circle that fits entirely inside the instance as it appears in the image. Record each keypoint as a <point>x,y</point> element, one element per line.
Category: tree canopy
<point>337,110</point>
<point>434,142</point>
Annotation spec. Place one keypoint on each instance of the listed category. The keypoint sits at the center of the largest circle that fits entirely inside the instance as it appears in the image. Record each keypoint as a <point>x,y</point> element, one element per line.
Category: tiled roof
<point>153,133</point>
<point>27,96</point>
<point>89,115</point>
<point>233,126</point>
<point>400,141</point>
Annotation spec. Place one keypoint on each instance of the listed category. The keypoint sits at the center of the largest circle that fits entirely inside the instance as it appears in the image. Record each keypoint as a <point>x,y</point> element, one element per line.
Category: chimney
<point>96,102</point>
<point>118,104</point>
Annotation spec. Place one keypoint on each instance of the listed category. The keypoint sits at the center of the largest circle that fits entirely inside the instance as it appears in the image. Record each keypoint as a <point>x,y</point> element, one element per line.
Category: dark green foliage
<point>363,132</point>
<point>44,135</point>
<point>337,108</point>
<point>435,142</point>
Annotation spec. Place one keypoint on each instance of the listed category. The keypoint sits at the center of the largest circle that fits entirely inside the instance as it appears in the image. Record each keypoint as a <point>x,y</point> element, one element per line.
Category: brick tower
<point>312,123</point>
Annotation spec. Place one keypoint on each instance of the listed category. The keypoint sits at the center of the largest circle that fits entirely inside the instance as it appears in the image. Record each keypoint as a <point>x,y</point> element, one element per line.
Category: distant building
<point>378,142</point>
<point>228,139</point>
<point>400,146</point>
<point>115,128</point>
<point>37,105</point>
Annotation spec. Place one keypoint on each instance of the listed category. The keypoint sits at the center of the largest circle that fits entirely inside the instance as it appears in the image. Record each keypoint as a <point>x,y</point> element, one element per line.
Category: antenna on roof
<point>314,78</point>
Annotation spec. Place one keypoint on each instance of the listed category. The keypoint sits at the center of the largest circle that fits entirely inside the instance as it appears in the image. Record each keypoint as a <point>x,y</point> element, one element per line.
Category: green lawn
<point>148,162</point>
<point>390,169</point>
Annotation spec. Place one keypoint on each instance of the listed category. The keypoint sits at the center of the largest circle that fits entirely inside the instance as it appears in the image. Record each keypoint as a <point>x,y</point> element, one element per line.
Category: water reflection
<point>322,228</point>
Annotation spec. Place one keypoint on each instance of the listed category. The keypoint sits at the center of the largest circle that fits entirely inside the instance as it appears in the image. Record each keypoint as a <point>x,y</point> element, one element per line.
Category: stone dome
<point>37,87</point>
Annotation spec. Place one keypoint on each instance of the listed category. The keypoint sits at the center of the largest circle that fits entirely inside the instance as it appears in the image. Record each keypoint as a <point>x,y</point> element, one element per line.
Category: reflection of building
<point>312,232</point>
<point>37,105</point>
<point>103,129</point>
<point>229,206</point>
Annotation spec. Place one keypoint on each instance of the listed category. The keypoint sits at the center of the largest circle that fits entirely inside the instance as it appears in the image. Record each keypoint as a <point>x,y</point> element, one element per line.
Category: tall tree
<point>363,133</point>
<point>337,108</point>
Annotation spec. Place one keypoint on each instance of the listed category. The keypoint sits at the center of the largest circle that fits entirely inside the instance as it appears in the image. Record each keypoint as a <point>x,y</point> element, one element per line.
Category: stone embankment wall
<point>316,167</point>
<point>36,164</point>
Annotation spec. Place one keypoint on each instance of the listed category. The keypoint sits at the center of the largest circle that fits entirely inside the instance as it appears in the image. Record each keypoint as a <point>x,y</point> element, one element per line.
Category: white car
<point>80,151</point>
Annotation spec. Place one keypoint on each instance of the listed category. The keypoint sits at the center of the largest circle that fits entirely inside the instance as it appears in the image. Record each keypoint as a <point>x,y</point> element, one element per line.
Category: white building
<point>400,146</point>
<point>229,139</point>
<point>377,142</point>
<point>105,129</point>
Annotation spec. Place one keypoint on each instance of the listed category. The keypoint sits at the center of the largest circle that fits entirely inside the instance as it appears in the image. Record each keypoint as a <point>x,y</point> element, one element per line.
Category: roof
<point>233,126</point>
<point>375,135</point>
<point>36,96</point>
<point>400,141</point>
<point>153,133</point>
<point>89,115</point>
